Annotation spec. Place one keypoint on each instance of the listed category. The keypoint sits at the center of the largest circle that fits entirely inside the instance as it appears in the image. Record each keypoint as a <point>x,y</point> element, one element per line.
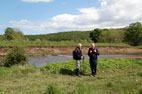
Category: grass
<point>54,43</point>
<point>114,76</point>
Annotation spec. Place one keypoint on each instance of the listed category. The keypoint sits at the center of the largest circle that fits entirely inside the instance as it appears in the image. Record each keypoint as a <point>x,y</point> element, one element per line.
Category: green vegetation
<point>15,56</point>
<point>62,36</point>
<point>13,34</point>
<point>115,76</point>
<point>112,36</point>
<point>94,35</point>
<point>133,34</point>
<point>54,43</point>
<point>97,35</point>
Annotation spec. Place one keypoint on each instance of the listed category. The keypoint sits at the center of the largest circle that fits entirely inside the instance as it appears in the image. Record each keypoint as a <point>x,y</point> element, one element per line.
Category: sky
<point>50,16</point>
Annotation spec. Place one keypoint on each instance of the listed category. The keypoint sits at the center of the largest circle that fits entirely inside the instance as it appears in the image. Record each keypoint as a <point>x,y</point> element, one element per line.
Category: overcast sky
<point>50,16</point>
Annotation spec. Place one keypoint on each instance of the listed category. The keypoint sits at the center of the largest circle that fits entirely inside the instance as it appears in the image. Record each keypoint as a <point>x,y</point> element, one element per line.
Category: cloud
<point>36,1</point>
<point>110,14</point>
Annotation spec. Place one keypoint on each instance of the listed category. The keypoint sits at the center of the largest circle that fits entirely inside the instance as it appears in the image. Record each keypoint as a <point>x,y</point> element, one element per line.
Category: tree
<point>133,34</point>
<point>16,56</point>
<point>13,34</point>
<point>94,35</point>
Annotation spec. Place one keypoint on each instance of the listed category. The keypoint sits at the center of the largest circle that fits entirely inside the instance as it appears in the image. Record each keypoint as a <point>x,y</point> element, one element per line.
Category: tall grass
<point>115,76</point>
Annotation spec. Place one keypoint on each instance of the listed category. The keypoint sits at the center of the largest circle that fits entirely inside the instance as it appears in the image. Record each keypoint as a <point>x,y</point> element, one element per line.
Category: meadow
<point>114,76</point>
<point>55,43</point>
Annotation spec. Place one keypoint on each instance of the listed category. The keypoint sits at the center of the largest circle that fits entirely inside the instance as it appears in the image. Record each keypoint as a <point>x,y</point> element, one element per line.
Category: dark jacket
<point>93,55</point>
<point>78,53</point>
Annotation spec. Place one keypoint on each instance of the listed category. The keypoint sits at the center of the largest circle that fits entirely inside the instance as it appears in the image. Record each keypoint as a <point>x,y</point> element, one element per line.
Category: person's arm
<point>97,52</point>
<point>78,54</point>
<point>89,52</point>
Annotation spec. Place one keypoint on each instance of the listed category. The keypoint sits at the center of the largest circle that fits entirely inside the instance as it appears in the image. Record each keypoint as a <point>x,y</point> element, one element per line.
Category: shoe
<point>78,75</point>
<point>94,75</point>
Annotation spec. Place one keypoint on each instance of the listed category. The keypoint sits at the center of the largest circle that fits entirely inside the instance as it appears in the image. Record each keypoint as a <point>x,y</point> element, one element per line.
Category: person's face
<point>80,46</point>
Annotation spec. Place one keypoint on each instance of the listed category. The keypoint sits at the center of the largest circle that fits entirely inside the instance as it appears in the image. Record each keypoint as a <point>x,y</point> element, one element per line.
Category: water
<point>41,61</point>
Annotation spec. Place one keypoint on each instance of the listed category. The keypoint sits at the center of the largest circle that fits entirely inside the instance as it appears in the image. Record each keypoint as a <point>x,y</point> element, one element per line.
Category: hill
<point>70,36</point>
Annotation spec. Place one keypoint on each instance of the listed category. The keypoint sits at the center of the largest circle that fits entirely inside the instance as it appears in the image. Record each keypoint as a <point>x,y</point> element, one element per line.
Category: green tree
<point>13,34</point>
<point>133,34</point>
<point>94,35</point>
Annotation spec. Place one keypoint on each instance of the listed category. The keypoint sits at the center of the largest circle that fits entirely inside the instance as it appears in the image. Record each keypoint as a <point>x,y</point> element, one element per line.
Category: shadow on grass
<point>70,72</point>
<point>67,72</point>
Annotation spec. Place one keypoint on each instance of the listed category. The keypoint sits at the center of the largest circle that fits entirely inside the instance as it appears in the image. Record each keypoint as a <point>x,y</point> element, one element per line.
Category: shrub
<point>15,56</point>
<point>133,34</point>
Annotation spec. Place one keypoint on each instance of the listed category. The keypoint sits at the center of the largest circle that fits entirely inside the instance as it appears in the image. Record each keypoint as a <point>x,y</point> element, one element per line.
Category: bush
<point>15,56</point>
<point>133,34</point>
<point>94,35</point>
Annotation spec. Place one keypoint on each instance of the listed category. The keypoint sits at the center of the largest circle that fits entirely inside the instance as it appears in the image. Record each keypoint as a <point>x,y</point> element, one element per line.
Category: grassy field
<point>115,76</point>
<point>53,43</point>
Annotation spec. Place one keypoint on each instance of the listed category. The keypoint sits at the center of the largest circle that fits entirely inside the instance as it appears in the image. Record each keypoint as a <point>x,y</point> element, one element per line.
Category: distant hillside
<point>62,36</point>
<point>67,36</point>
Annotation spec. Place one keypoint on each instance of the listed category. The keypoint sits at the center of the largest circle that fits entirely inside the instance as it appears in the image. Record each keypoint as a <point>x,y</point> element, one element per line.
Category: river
<point>42,60</point>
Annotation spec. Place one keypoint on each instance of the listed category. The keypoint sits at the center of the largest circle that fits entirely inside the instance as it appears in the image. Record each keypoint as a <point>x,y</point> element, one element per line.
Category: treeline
<point>131,34</point>
<point>62,36</point>
<point>110,35</point>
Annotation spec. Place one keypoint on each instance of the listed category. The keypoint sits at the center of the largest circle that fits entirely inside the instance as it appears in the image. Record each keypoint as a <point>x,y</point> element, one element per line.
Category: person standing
<point>93,58</point>
<point>78,56</point>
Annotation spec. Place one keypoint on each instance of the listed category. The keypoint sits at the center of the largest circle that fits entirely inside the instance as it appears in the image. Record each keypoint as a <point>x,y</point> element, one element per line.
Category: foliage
<point>107,35</point>
<point>15,56</point>
<point>62,36</point>
<point>133,34</point>
<point>94,35</point>
<point>103,65</point>
<point>112,35</point>
<point>13,34</point>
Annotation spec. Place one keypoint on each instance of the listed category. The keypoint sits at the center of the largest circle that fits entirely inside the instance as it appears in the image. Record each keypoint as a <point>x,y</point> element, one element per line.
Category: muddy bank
<point>46,50</point>
<point>68,50</point>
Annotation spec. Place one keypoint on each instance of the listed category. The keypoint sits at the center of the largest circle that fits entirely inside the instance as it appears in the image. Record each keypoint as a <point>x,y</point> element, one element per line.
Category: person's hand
<point>95,51</point>
<point>82,57</point>
<point>90,51</point>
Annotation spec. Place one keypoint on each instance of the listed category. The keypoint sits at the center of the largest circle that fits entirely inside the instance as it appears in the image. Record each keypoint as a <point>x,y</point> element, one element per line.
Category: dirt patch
<point>68,50</point>
<point>45,50</point>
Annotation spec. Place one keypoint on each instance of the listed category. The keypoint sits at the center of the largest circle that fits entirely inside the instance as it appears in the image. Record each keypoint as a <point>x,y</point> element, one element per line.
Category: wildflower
<point>136,80</point>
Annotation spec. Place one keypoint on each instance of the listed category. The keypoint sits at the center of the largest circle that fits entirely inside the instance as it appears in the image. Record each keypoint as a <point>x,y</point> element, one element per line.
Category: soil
<point>58,50</point>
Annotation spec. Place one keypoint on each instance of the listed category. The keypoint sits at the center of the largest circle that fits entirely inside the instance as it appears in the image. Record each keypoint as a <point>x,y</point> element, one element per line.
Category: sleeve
<point>89,52</point>
<point>97,52</point>
<point>78,54</point>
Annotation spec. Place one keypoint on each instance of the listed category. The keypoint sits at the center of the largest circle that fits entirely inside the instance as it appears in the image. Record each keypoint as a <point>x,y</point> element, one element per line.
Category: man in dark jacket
<point>93,55</point>
<point>78,58</point>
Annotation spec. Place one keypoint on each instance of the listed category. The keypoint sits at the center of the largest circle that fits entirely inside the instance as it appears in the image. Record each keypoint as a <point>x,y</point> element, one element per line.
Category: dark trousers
<point>93,66</point>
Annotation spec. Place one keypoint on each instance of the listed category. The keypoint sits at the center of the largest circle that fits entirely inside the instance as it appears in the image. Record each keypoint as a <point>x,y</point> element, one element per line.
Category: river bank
<point>64,50</point>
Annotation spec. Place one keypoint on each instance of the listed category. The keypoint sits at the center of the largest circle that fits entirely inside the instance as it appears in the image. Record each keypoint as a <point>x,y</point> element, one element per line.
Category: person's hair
<point>79,44</point>
<point>92,43</point>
